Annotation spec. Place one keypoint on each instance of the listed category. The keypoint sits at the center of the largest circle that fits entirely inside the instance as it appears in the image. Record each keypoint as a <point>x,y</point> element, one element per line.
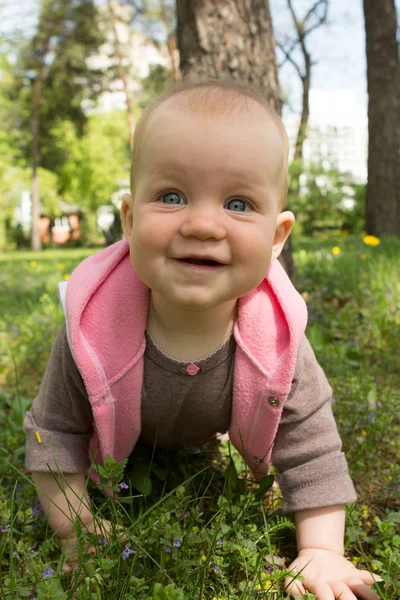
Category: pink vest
<point>106,309</point>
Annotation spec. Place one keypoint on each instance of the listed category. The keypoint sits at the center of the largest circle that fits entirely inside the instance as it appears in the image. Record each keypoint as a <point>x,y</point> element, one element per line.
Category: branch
<point>302,31</point>
<point>290,59</point>
<point>301,28</point>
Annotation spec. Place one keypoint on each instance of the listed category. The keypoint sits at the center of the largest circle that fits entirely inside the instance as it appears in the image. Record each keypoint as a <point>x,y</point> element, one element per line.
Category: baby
<point>189,327</point>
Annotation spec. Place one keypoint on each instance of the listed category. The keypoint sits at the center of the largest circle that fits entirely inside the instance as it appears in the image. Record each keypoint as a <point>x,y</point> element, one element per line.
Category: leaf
<point>51,589</point>
<point>265,485</point>
<point>379,588</point>
<point>231,476</point>
<point>158,592</point>
<point>316,337</point>
<point>139,478</point>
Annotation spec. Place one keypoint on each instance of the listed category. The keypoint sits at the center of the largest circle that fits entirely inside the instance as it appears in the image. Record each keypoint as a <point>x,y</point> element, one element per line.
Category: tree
<point>219,37</point>
<point>315,16</point>
<point>383,70</point>
<point>55,79</point>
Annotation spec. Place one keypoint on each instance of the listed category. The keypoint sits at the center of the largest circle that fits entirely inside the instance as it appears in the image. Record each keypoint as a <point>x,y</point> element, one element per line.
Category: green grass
<point>206,536</point>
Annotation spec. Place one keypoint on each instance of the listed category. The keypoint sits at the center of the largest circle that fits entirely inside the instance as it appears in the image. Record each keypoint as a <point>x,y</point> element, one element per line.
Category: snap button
<point>273,401</point>
<point>192,369</point>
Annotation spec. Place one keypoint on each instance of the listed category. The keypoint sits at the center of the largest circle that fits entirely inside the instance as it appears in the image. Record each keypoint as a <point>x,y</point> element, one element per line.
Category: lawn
<point>209,532</point>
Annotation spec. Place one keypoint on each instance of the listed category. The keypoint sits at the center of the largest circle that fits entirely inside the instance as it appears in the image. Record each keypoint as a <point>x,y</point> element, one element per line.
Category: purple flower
<point>185,516</point>
<point>123,486</point>
<point>47,573</point>
<point>372,417</point>
<point>4,529</point>
<point>220,543</point>
<point>102,541</point>
<point>36,509</point>
<point>177,543</point>
<point>127,552</point>
<point>15,554</point>
<point>167,548</point>
<point>215,569</point>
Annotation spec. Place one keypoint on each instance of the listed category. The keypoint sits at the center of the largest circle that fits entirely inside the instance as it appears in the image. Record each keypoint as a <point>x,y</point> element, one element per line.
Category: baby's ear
<point>284,226</point>
<point>127,215</point>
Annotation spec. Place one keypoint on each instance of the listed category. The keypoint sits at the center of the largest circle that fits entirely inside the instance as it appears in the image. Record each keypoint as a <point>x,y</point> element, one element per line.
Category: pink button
<point>192,369</point>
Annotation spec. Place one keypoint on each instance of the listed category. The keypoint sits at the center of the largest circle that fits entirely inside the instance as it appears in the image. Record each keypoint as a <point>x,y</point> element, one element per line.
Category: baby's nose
<point>203,224</point>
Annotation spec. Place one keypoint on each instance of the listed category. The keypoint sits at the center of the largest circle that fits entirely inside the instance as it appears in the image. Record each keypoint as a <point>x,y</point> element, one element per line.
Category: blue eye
<point>238,205</point>
<point>172,198</point>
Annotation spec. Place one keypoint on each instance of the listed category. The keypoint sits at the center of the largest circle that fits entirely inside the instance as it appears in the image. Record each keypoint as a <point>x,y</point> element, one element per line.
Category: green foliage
<point>167,592</point>
<point>57,56</point>
<point>96,164</point>
<point>154,84</point>
<point>321,203</point>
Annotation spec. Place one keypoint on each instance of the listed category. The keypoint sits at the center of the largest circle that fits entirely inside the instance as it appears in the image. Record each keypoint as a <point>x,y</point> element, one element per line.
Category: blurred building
<point>139,53</point>
<point>337,133</point>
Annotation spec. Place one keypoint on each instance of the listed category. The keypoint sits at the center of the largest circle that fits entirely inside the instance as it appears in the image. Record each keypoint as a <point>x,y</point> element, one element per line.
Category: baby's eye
<point>239,205</point>
<point>172,198</point>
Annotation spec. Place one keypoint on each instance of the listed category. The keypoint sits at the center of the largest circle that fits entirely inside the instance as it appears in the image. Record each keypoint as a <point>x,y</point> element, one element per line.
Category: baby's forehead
<point>230,108</point>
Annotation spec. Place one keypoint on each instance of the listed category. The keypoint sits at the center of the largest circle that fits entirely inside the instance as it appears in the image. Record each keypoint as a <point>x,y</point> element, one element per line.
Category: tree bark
<point>383,69</point>
<point>219,37</point>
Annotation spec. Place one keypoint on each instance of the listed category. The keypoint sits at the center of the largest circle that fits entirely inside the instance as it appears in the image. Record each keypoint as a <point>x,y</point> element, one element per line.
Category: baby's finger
<point>67,569</point>
<point>359,589</point>
<point>321,589</point>
<point>294,587</point>
<point>367,577</point>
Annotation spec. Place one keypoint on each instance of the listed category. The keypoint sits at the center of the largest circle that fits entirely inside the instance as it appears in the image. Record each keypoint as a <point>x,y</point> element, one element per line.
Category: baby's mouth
<point>201,261</point>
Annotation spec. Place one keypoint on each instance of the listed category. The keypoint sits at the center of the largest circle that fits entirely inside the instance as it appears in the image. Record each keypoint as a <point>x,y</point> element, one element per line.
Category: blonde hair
<point>211,97</point>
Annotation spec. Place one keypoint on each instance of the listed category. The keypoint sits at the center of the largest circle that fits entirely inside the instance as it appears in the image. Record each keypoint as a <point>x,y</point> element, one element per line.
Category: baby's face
<point>202,223</point>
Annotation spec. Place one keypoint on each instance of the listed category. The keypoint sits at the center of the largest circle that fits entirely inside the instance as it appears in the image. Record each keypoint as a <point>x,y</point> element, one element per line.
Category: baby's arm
<point>321,562</point>
<point>64,499</point>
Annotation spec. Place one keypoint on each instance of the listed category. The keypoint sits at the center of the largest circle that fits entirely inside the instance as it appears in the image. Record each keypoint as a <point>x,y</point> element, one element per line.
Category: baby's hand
<point>329,576</point>
<point>70,547</point>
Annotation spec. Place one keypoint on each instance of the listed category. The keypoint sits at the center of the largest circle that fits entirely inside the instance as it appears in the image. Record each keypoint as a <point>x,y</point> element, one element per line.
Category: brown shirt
<point>181,410</point>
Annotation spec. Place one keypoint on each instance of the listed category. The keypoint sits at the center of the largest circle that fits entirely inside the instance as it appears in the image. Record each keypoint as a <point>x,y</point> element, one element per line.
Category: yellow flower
<point>266,585</point>
<point>66,277</point>
<point>336,250</point>
<point>364,433</point>
<point>195,529</point>
<point>203,557</point>
<point>60,266</point>
<point>39,439</point>
<point>33,264</point>
<point>371,240</point>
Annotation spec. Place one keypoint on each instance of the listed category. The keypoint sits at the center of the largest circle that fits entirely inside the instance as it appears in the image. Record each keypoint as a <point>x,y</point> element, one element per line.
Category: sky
<point>338,48</point>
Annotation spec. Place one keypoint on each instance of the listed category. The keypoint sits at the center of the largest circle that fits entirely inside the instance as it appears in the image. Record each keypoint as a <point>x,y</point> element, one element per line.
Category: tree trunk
<point>122,71</point>
<point>36,242</point>
<point>220,37</point>
<point>171,41</point>
<point>383,68</point>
